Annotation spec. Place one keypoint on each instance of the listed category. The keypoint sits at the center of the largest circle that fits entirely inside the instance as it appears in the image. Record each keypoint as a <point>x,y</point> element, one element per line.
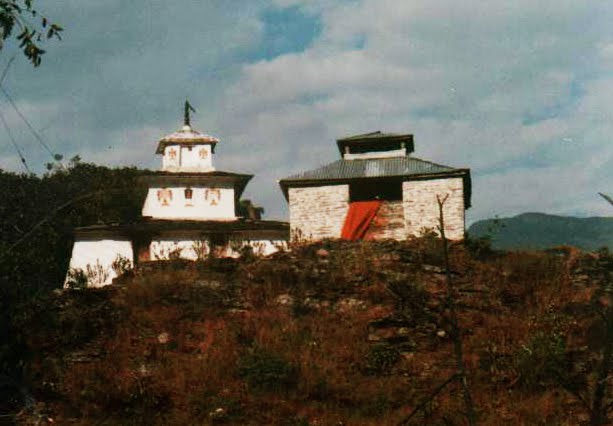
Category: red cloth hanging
<point>359,217</point>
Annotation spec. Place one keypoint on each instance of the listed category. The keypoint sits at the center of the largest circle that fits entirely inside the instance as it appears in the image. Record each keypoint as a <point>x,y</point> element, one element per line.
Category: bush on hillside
<point>264,371</point>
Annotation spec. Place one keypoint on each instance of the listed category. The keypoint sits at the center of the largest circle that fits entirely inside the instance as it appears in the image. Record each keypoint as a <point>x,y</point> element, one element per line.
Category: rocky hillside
<point>328,334</point>
<point>541,231</point>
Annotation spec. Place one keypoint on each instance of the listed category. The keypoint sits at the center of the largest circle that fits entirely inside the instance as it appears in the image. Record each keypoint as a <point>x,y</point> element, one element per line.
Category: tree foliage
<point>15,21</point>
<point>36,237</point>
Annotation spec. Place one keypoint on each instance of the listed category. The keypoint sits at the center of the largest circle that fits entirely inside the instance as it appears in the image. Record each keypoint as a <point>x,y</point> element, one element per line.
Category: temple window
<point>377,190</point>
<point>164,196</point>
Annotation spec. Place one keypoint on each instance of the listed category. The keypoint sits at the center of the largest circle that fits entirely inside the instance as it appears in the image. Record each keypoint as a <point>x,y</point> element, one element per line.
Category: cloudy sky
<point>519,91</point>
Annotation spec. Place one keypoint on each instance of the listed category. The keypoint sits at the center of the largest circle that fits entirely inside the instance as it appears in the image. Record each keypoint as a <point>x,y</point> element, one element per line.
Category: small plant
<point>121,265</point>
<point>76,279</point>
<point>381,358</point>
<point>297,421</point>
<point>95,275</point>
<point>264,371</point>
<point>376,407</point>
<point>542,361</point>
<point>299,237</point>
<point>321,390</point>
<point>480,247</point>
<point>201,249</point>
<point>299,308</point>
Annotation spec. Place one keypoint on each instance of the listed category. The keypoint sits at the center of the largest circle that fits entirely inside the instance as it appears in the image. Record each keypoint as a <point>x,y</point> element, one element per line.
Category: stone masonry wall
<point>389,222</point>
<point>318,212</point>
<point>421,208</point>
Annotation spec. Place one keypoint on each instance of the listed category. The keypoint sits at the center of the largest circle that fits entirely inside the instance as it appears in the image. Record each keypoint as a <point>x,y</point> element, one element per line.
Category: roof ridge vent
<point>375,145</point>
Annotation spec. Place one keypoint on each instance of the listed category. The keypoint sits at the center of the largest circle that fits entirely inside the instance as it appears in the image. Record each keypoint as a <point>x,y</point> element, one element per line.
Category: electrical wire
<point>10,135</point>
<point>25,120</point>
<point>5,124</point>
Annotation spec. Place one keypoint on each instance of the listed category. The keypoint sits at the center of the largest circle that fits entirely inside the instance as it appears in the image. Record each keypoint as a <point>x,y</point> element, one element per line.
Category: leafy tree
<point>37,215</point>
<point>15,15</point>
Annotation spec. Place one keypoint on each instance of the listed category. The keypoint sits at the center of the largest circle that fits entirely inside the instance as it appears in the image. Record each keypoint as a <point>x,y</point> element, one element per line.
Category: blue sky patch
<point>287,30</point>
<point>575,93</point>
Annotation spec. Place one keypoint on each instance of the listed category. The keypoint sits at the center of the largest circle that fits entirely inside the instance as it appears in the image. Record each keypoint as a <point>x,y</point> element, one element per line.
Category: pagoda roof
<point>185,136</point>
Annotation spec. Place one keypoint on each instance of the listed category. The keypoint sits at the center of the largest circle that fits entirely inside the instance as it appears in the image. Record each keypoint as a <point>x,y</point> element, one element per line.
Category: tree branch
<point>429,399</point>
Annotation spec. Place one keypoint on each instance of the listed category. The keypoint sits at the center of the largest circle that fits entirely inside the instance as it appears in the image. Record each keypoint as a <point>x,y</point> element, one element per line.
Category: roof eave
<point>285,184</point>
<point>367,140</point>
<point>239,181</point>
<point>163,143</point>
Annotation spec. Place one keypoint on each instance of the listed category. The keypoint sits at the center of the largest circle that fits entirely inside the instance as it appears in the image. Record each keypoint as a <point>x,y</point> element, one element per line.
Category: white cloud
<point>495,86</point>
<point>518,91</point>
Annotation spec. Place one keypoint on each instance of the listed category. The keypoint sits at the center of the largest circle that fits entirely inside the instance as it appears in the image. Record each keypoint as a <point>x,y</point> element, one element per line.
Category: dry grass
<point>173,355</point>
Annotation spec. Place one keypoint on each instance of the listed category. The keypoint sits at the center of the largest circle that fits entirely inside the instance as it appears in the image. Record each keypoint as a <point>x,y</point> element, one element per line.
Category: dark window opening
<point>375,147</point>
<point>188,193</point>
<point>378,190</point>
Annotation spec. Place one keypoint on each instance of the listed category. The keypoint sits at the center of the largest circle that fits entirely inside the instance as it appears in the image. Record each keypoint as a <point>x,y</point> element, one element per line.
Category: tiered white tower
<point>188,187</point>
<point>191,212</point>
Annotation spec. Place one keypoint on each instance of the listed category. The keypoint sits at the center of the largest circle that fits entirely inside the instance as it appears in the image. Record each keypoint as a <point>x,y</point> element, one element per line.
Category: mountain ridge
<point>536,230</point>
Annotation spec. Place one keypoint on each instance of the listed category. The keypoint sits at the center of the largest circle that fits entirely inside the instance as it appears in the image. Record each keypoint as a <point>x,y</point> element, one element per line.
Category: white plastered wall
<point>96,258</point>
<point>164,249</point>
<point>190,158</point>
<point>170,161</point>
<point>215,203</point>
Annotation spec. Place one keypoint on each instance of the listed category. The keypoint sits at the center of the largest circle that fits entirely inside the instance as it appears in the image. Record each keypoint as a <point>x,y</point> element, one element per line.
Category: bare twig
<point>456,332</point>
<point>429,399</point>
<point>606,197</point>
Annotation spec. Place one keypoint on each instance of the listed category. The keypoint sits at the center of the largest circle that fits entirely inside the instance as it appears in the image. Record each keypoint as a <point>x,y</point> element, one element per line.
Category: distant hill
<point>539,230</point>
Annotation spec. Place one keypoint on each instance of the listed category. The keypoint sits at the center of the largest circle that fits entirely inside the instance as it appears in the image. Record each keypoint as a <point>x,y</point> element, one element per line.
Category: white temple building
<point>377,190</point>
<point>191,211</point>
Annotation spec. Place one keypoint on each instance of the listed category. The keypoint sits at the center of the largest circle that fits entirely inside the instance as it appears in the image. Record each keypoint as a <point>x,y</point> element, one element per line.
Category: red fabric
<point>359,217</point>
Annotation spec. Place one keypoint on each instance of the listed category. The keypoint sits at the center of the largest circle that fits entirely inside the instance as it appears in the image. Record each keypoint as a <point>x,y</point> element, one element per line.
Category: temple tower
<point>188,187</point>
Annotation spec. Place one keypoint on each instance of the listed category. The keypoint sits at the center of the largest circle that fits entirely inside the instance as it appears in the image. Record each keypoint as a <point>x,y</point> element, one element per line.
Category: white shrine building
<point>191,211</point>
<point>377,190</point>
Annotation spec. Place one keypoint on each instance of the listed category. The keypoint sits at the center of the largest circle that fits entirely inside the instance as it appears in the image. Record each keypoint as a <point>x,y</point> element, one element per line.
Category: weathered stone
<point>318,212</point>
<point>322,252</point>
<point>389,222</point>
<point>373,337</point>
<point>421,207</point>
<point>350,304</point>
<point>163,338</point>
<point>284,300</point>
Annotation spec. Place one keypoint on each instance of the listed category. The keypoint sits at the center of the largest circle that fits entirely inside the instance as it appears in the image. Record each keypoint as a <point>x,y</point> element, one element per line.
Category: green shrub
<point>479,247</point>
<point>542,361</point>
<point>376,407</point>
<point>264,371</point>
<point>297,421</point>
<point>321,390</point>
<point>381,358</point>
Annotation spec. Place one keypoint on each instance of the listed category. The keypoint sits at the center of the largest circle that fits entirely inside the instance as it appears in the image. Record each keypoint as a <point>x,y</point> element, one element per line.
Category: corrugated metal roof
<point>372,168</point>
<point>375,135</point>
